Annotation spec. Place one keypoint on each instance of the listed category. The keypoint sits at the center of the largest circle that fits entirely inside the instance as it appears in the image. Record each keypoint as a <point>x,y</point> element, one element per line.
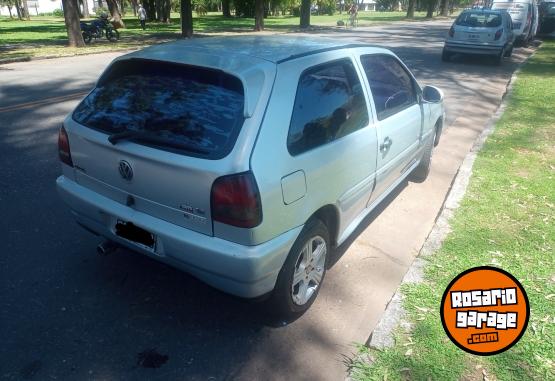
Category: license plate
<point>473,36</point>
<point>135,234</point>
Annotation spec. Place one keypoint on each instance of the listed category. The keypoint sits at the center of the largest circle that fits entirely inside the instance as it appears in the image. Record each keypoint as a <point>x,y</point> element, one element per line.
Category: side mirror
<point>432,94</point>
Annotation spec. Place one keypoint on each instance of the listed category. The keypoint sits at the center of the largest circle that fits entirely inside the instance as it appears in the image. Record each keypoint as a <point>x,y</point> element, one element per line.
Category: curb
<point>394,314</point>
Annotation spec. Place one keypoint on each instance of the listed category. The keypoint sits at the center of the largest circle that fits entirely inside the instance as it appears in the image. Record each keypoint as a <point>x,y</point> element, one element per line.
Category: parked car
<point>524,14</point>
<point>245,160</point>
<point>547,17</point>
<point>483,32</point>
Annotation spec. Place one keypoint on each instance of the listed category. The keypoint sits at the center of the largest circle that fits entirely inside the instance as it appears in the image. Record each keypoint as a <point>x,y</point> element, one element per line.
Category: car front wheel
<point>301,276</point>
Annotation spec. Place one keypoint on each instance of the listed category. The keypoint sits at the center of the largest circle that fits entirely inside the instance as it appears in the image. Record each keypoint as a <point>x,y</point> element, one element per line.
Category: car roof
<point>494,11</point>
<point>274,49</point>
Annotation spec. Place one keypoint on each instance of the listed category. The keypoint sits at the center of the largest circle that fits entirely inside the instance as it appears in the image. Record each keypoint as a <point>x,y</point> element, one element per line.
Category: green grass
<point>46,35</point>
<point>507,219</point>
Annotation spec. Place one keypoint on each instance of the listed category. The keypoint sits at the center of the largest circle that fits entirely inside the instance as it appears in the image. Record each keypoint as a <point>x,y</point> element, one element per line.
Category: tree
<point>410,9</point>
<point>25,10</point>
<point>8,4</point>
<point>115,13</point>
<point>444,8</point>
<point>258,15</point>
<point>225,8</point>
<point>305,13</point>
<point>186,18</point>
<point>85,5</point>
<point>71,16</point>
<point>430,7</point>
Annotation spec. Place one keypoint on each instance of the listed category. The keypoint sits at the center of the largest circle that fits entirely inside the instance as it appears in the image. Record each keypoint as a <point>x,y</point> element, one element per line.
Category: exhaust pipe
<point>106,248</point>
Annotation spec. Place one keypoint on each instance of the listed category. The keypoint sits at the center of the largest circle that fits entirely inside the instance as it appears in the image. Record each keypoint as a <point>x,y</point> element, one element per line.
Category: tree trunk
<point>71,17</point>
<point>10,10</point>
<point>410,9</point>
<point>26,10</point>
<point>444,8</point>
<point>86,13</point>
<point>430,8</point>
<point>115,13</point>
<point>225,8</point>
<point>159,10</point>
<point>305,13</point>
<point>18,10</point>
<point>186,19</point>
<point>258,15</point>
<point>150,8</point>
<point>167,11</point>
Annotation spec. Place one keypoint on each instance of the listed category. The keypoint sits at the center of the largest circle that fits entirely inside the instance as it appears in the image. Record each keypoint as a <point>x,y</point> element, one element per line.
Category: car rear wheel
<point>499,57</point>
<point>421,172</point>
<point>509,52</point>
<point>445,56</point>
<point>301,276</point>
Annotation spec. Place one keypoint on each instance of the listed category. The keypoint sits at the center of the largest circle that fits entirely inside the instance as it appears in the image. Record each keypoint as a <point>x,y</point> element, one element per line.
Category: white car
<point>525,17</point>
<point>246,160</point>
<point>480,32</point>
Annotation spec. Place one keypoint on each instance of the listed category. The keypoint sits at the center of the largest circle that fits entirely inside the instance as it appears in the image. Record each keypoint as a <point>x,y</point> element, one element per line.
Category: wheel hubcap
<point>309,270</point>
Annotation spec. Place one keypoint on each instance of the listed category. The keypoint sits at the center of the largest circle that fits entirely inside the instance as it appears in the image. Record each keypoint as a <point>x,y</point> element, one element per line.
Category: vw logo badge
<point>125,170</point>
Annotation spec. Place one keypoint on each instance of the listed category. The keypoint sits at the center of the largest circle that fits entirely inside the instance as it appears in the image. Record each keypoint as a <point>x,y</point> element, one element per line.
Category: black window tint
<point>479,19</point>
<point>392,87</point>
<point>174,105</point>
<point>329,105</point>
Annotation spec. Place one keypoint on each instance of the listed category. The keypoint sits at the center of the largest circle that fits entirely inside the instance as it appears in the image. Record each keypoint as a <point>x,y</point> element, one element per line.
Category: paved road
<point>66,313</point>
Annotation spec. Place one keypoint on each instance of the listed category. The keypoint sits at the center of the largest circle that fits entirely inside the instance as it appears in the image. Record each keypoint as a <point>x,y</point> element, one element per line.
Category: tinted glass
<point>392,87</point>
<point>329,105</point>
<point>175,105</point>
<point>479,19</point>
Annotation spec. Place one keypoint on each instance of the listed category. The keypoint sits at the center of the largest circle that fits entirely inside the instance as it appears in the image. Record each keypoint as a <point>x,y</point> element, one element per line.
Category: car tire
<point>421,172</point>
<point>509,52</point>
<point>445,56</point>
<point>499,57</point>
<point>303,272</point>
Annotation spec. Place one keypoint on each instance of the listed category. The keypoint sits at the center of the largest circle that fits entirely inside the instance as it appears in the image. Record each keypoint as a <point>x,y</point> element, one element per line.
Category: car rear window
<point>479,19</point>
<point>195,111</point>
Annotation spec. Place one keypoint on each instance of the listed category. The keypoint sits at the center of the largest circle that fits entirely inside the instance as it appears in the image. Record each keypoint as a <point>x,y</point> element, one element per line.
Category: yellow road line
<point>42,102</point>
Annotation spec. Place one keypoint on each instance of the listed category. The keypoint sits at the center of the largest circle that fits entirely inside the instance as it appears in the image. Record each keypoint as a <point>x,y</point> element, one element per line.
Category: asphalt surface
<point>67,313</point>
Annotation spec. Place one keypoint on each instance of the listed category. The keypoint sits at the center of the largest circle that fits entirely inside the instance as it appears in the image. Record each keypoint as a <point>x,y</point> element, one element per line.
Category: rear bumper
<point>454,47</point>
<point>245,271</point>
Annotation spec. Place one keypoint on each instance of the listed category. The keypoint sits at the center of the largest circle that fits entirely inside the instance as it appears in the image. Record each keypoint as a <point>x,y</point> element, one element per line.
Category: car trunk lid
<point>150,135</point>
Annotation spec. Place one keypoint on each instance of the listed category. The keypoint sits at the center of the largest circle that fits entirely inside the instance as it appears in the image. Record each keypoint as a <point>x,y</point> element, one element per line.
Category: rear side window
<point>392,87</point>
<point>479,19</point>
<point>329,104</point>
<point>191,110</point>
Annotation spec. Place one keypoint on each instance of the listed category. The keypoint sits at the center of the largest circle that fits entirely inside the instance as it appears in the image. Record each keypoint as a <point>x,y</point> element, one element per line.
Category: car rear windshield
<point>195,111</point>
<point>479,19</point>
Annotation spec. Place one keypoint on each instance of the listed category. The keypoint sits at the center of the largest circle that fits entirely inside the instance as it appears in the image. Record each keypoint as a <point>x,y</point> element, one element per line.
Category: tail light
<point>498,34</point>
<point>63,147</point>
<point>451,31</point>
<point>236,201</point>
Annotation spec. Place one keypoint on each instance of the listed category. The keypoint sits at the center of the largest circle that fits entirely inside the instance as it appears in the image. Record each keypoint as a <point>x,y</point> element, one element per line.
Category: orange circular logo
<point>485,310</point>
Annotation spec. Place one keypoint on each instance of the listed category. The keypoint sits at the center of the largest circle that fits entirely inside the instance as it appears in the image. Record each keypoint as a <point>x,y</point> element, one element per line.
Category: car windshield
<point>169,104</point>
<point>479,19</point>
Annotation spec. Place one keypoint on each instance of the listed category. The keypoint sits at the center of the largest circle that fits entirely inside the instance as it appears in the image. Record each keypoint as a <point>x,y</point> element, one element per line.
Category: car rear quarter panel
<point>328,176</point>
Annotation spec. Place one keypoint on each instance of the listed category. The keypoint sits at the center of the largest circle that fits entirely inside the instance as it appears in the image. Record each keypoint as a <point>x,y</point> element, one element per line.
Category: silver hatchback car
<point>245,160</point>
<point>481,32</point>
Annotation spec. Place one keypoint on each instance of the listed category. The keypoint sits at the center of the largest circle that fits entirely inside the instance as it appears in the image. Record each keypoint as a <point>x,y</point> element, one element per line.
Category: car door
<point>399,118</point>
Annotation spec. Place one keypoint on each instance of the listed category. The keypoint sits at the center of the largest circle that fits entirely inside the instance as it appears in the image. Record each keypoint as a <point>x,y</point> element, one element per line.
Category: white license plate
<point>473,36</point>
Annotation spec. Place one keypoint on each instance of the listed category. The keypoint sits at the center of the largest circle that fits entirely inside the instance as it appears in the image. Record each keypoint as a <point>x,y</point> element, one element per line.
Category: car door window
<point>329,104</point>
<point>392,88</point>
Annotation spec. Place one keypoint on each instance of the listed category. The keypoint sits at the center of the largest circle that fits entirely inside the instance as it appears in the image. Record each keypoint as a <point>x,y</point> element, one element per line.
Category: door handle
<point>384,147</point>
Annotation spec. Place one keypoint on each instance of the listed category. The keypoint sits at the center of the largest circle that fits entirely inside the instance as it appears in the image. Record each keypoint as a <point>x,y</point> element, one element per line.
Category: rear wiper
<point>150,138</point>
